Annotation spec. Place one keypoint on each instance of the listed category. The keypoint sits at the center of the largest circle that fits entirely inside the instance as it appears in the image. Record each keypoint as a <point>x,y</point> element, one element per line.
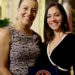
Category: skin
<point>4,46</point>
<point>26,15</point>
<point>54,20</point>
<point>27,12</point>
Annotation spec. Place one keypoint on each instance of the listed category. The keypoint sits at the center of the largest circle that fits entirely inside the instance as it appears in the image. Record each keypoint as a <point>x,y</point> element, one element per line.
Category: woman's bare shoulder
<point>4,32</point>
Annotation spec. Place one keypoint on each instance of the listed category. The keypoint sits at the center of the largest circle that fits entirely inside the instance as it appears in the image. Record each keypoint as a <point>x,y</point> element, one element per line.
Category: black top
<point>63,55</point>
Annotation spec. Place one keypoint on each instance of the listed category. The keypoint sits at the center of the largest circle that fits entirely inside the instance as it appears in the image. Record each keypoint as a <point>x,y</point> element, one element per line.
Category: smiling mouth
<point>54,23</point>
<point>26,17</point>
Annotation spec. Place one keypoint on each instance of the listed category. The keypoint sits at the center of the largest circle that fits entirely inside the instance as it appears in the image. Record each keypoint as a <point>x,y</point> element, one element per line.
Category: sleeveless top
<point>24,51</point>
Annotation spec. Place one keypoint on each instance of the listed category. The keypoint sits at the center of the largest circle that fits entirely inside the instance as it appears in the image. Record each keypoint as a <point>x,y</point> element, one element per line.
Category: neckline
<point>49,53</point>
<point>21,33</point>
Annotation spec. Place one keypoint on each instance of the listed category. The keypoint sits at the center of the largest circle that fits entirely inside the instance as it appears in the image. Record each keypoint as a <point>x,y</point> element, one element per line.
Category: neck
<point>23,28</point>
<point>59,35</point>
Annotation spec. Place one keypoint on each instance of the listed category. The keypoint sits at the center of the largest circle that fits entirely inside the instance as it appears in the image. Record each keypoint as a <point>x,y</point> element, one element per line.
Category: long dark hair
<point>48,32</point>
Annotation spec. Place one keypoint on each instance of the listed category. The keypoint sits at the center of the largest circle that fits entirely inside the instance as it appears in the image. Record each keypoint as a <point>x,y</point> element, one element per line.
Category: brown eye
<point>25,8</point>
<point>48,16</point>
<point>57,15</point>
<point>34,10</point>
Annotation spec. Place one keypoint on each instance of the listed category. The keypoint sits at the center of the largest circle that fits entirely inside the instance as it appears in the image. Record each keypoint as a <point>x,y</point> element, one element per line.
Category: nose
<point>53,18</point>
<point>29,12</point>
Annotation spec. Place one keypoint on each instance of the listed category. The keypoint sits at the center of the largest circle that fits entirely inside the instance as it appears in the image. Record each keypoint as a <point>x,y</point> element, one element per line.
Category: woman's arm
<point>4,51</point>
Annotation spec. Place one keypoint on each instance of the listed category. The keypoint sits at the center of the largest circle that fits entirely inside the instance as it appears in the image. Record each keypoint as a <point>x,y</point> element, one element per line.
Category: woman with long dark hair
<point>59,43</point>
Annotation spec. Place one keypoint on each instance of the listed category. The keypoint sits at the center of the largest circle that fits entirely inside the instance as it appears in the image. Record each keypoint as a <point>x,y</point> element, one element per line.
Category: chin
<point>55,29</point>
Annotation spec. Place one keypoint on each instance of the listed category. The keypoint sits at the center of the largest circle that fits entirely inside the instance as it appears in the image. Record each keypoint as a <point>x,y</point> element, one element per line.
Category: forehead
<point>29,3</point>
<point>53,9</point>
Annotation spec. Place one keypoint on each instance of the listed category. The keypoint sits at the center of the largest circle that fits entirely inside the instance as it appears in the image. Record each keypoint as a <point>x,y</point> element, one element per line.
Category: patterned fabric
<point>24,51</point>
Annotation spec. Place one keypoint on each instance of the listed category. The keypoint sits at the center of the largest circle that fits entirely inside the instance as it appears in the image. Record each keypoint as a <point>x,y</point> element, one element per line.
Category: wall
<point>9,10</point>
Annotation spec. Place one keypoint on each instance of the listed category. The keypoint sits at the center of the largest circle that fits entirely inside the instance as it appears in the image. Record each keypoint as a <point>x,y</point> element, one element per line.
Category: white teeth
<point>26,17</point>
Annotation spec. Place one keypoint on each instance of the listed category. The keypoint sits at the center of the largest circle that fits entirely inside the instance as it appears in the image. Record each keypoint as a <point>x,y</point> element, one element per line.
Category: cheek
<point>19,14</point>
<point>33,15</point>
<point>48,21</point>
<point>60,19</point>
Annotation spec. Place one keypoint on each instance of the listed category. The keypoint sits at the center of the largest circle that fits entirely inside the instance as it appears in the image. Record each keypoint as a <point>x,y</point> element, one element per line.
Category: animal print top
<point>24,51</point>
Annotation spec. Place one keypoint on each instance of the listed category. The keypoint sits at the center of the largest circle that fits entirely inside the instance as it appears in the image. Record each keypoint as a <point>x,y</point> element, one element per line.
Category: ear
<point>17,12</point>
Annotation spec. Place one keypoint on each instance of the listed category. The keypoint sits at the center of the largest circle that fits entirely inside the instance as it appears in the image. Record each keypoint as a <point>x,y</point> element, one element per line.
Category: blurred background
<point>8,11</point>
